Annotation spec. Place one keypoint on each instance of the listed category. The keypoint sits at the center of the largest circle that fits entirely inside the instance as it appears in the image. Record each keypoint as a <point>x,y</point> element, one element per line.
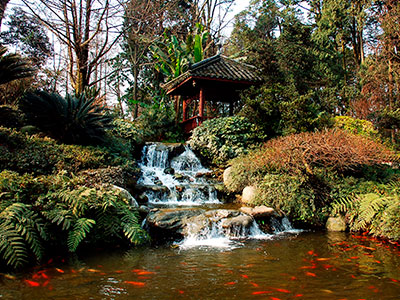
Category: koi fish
<point>354,257</point>
<point>394,280</point>
<point>181,292</point>
<point>135,283</point>
<point>377,261</point>
<point>311,274</point>
<point>352,276</point>
<point>323,258</point>
<point>119,271</point>
<point>244,276</point>
<point>93,270</point>
<point>60,271</point>
<point>230,283</point>
<point>46,283</point>
<point>293,278</point>
<point>261,292</point>
<point>308,267</point>
<point>282,290</point>
<point>44,276</point>
<point>298,295</point>
<point>311,252</point>
<point>274,298</point>
<point>327,266</point>
<point>254,284</point>
<point>8,276</point>
<point>145,273</point>
<point>32,283</point>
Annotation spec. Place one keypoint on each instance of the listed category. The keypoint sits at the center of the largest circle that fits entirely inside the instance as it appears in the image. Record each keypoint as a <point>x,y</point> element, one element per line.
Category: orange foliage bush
<point>334,150</point>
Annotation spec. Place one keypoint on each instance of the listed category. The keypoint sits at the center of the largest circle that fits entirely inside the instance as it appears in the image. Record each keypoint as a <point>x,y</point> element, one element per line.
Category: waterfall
<point>174,180</point>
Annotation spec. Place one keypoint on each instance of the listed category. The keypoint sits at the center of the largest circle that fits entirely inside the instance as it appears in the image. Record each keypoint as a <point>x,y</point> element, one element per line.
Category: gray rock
<point>258,212</point>
<point>126,195</point>
<point>249,195</point>
<point>336,224</point>
<point>241,221</point>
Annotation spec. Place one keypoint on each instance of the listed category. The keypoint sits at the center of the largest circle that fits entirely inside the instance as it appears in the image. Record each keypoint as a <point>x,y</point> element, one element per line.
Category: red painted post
<point>184,108</point>
<point>201,105</point>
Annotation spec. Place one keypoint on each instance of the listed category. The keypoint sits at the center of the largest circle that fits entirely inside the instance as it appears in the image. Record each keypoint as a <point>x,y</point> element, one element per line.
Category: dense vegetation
<point>317,137</point>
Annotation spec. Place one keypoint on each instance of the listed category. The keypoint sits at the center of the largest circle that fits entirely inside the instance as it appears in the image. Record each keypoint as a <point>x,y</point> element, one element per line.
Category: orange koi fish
<point>230,283</point>
<point>323,258</point>
<point>244,276</point>
<point>145,273</point>
<point>311,274</point>
<point>44,276</point>
<point>282,290</point>
<point>298,295</point>
<point>394,280</point>
<point>59,270</point>
<point>93,270</point>
<point>261,292</point>
<point>135,283</point>
<point>32,283</point>
<point>274,298</point>
<point>119,271</point>
<point>308,267</point>
<point>181,292</point>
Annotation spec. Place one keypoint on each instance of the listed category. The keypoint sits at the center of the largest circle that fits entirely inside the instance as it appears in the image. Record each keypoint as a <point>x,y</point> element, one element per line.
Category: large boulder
<point>249,195</point>
<point>336,224</point>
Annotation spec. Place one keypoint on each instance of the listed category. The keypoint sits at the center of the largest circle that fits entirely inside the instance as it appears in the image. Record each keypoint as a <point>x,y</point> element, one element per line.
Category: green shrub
<point>74,119</point>
<point>37,213</point>
<point>33,154</point>
<point>10,116</point>
<point>218,140</point>
<point>356,126</point>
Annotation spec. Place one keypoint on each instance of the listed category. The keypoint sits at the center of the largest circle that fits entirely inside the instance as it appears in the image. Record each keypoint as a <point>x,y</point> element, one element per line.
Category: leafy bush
<point>33,154</point>
<point>303,153</point>
<point>303,174</point>
<point>60,211</point>
<point>74,119</point>
<point>10,117</point>
<point>356,126</point>
<point>218,140</point>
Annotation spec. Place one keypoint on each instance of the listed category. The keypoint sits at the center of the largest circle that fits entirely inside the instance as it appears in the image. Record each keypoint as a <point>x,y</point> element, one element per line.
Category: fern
<point>342,205</point>
<point>81,228</point>
<point>21,229</point>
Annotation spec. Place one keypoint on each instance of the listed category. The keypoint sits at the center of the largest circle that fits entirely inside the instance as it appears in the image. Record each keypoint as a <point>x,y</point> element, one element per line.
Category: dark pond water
<point>292,266</point>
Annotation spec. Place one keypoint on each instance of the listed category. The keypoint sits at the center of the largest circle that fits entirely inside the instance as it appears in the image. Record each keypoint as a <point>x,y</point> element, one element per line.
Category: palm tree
<point>13,66</point>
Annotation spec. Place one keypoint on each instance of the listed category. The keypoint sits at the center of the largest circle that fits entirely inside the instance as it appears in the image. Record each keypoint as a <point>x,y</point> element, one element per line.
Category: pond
<point>306,265</point>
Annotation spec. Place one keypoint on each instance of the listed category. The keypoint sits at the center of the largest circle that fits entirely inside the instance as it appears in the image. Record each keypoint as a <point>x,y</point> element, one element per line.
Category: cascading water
<point>176,180</point>
<point>174,176</point>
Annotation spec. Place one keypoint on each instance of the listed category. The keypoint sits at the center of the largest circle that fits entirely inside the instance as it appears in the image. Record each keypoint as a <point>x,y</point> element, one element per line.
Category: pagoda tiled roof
<point>217,67</point>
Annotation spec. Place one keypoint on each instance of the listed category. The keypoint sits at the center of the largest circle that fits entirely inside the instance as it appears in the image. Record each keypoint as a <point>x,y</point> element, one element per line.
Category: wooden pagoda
<point>214,81</point>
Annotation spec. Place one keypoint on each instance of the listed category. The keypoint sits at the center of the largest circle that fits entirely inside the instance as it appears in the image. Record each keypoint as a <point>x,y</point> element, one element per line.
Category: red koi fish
<point>230,283</point>
<point>298,295</point>
<point>254,284</point>
<point>32,283</point>
<point>59,270</point>
<point>394,280</point>
<point>323,258</point>
<point>181,292</point>
<point>135,283</point>
<point>46,282</point>
<point>311,274</point>
<point>261,292</point>
<point>244,276</point>
<point>282,290</point>
<point>274,298</point>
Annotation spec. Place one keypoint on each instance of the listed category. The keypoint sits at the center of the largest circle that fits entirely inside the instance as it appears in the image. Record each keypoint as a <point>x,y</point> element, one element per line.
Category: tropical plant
<point>220,139</point>
<point>13,67</point>
<point>174,57</point>
<point>74,119</point>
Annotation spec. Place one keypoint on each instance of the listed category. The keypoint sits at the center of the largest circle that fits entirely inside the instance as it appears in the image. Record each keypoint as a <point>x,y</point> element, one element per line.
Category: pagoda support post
<point>184,109</point>
<point>201,104</point>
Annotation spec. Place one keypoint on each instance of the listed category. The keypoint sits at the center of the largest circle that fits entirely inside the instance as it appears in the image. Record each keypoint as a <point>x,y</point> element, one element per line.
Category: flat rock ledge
<point>259,212</point>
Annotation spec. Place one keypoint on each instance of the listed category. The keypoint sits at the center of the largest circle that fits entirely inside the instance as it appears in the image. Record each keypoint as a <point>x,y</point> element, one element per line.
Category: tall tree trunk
<point>3,4</point>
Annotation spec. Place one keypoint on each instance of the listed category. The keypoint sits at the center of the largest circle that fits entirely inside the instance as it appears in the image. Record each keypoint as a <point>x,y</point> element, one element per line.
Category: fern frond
<point>81,228</point>
<point>132,229</point>
<point>12,246</point>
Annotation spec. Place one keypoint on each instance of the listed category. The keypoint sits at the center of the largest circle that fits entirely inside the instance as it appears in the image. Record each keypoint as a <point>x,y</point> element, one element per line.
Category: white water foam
<point>191,190</point>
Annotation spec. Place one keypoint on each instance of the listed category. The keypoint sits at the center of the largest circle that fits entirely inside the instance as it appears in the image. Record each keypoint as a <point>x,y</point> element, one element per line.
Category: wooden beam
<point>184,108</point>
<point>201,104</point>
